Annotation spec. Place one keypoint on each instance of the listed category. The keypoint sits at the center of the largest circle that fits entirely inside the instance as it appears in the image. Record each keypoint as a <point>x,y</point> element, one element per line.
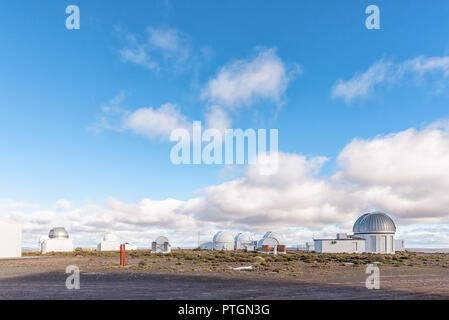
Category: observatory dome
<point>58,233</point>
<point>244,237</point>
<point>224,236</point>
<point>375,222</point>
<point>275,235</point>
<point>161,240</point>
<point>223,240</point>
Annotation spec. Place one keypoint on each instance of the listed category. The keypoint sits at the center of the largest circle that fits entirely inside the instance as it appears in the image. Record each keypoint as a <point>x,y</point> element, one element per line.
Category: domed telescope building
<point>223,240</point>
<point>245,241</point>
<point>161,245</point>
<point>57,241</point>
<point>373,232</point>
<point>378,230</point>
<point>110,242</point>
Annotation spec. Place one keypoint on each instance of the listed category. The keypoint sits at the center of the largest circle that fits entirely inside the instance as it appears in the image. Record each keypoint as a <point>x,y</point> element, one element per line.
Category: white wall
<point>224,246</point>
<point>130,246</point>
<point>339,246</point>
<point>108,246</point>
<point>10,240</point>
<point>379,243</point>
<point>56,245</point>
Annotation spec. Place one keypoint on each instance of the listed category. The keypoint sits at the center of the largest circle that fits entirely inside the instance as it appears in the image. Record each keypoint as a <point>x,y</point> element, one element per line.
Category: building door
<point>372,240</point>
<point>383,244</point>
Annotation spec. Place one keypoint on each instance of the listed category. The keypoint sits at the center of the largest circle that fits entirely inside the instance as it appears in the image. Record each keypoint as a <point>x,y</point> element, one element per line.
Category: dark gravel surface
<point>169,286</point>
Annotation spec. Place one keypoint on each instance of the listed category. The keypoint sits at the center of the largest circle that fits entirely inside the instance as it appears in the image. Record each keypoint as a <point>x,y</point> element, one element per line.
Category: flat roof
<point>339,239</point>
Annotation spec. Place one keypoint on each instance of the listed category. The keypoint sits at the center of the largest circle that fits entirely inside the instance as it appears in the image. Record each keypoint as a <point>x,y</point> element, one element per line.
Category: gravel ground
<point>173,277</point>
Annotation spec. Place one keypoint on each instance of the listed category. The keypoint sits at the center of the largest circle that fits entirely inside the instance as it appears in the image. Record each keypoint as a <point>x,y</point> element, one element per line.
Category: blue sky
<point>54,83</point>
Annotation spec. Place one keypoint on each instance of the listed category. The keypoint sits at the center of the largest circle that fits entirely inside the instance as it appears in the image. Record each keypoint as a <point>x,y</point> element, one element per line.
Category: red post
<point>122,255</point>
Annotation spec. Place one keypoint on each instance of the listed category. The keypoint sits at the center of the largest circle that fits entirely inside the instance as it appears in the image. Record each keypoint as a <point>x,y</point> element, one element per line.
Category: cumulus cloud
<point>136,222</point>
<point>244,82</point>
<point>405,174</point>
<point>381,72</point>
<point>162,49</point>
<point>155,123</point>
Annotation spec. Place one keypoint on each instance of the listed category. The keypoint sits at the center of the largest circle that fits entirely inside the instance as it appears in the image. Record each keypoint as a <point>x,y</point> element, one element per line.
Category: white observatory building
<point>378,230</point>
<point>223,240</point>
<point>110,242</point>
<point>57,241</point>
<point>10,240</point>
<point>373,232</point>
<point>271,239</point>
<point>245,241</point>
<point>161,245</point>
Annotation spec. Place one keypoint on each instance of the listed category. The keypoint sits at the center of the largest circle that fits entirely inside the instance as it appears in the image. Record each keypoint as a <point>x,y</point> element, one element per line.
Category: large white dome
<point>244,237</point>
<point>224,236</point>
<point>276,235</point>
<point>374,222</point>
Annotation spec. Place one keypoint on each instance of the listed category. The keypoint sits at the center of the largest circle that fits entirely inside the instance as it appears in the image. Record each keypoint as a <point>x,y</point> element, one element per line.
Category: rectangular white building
<point>10,240</point>
<point>345,245</point>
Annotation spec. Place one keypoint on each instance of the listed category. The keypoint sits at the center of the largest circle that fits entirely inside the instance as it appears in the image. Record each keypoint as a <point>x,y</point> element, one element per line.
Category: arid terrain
<point>192,274</point>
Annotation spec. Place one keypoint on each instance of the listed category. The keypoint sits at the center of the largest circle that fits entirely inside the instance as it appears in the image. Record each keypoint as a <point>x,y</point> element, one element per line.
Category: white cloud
<point>161,49</point>
<point>63,204</point>
<point>139,56</point>
<point>361,84</point>
<point>404,173</point>
<point>423,65</point>
<point>244,82</point>
<point>150,122</point>
<point>381,72</point>
<point>165,39</point>
<point>155,123</point>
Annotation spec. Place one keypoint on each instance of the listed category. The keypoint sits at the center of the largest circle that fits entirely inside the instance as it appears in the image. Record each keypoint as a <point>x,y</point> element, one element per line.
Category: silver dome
<point>374,222</point>
<point>58,233</point>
